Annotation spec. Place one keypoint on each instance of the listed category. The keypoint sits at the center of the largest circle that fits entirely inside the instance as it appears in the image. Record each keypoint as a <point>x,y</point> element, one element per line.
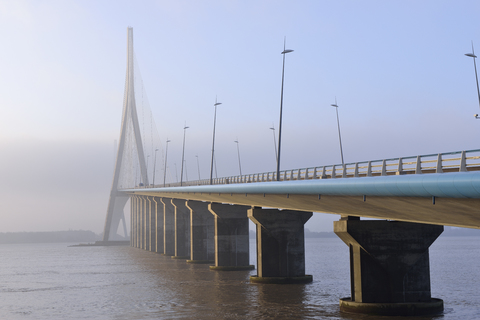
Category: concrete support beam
<point>202,231</point>
<point>152,225</point>
<point>182,229</point>
<point>132,221</point>
<point>231,237</point>
<point>280,245</point>
<point>139,221</point>
<point>142,221</point>
<point>168,227</point>
<point>146,222</point>
<point>389,266</point>
<point>158,209</point>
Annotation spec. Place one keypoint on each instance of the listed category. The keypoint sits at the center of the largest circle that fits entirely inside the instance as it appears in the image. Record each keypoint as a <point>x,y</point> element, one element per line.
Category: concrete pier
<point>157,207</point>
<point>137,221</point>
<point>182,229</point>
<point>280,245</point>
<point>152,225</point>
<point>146,222</point>
<point>141,212</point>
<point>168,227</point>
<point>132,221</point>
<point>389,266</point>
<point>202,231</point>
<point>231,237</point>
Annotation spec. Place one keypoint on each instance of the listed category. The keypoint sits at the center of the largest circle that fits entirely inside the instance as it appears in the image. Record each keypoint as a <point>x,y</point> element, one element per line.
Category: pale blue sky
<point>397,69</point>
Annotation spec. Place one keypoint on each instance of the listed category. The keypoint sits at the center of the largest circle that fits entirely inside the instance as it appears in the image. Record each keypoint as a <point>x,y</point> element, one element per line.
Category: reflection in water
<point>276,300</point>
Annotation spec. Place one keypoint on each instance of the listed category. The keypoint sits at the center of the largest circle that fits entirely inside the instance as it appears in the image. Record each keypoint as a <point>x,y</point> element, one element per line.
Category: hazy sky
<point>396,68</point>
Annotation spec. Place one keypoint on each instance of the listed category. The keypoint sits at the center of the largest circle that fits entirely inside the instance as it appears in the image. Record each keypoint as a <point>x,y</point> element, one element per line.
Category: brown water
<point>53,281</point>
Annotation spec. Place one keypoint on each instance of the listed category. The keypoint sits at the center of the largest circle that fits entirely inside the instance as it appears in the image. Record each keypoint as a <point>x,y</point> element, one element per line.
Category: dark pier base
<point>232,268</point>
<point>389,267</point>
<point>433,307</point>
<point>200,261</point>
<point>282,280</point>
<point>280,245</point>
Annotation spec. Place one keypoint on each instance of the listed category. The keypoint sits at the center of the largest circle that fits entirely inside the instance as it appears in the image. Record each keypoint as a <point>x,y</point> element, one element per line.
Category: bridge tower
<point>117,201</point>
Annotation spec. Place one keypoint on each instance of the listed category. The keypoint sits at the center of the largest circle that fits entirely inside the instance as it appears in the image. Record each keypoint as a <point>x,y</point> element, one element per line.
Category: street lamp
<point>148,156</point>
<point>213,143</point>
<point>472,55</point>
<point>338,125</point>
<point>166,157</point>
<point>285,51</point>
<point>198,167</point>
<point>176,172</point>
<point>183,153</point>
<point>238,151</point>
<point>274,143</point>
<point>154,165</point>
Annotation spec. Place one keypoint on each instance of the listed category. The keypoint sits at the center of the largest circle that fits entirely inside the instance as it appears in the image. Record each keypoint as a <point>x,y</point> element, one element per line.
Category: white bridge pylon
<point>130,137</point>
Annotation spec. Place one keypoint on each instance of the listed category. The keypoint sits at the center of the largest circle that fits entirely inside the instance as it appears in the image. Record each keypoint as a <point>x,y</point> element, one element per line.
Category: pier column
<point>280,245</point>
<point>147,206</point>
<point>152,225</point>
<point>231,237</point>
<point>202,247</point>
<point>389,266</point>
<point>182,229</point>
<point>142,221</point>
<point>139,221</point>
<point>168,227</point>
<point>158,209</point>
<point>132,221</point>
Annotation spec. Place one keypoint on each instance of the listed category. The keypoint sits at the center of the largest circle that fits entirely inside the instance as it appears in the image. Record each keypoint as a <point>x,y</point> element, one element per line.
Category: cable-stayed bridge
<point>206,221</point>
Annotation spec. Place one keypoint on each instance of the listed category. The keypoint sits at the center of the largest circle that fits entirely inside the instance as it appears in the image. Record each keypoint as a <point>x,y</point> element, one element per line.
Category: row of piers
<point>389,260</point>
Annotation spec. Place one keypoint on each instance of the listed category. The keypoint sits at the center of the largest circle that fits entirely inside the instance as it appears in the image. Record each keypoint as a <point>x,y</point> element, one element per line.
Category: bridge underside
<point>458,212</point>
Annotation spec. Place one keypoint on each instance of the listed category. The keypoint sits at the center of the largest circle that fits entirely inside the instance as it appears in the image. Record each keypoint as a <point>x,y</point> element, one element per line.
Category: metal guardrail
<point>459,161</point>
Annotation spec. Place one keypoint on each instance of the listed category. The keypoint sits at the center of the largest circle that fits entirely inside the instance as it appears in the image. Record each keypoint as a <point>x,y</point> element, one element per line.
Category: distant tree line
<point>44,237</point>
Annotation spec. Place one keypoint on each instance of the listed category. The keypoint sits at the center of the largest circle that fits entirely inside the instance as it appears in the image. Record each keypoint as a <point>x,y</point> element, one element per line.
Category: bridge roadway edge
<point>457,212</point>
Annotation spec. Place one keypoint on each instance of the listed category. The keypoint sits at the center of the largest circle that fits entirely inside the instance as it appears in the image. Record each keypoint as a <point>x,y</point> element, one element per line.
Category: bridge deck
<point>445,199</point>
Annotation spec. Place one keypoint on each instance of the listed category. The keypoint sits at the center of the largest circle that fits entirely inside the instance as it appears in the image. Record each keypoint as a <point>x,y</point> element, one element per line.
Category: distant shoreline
<point>48,237</point>
<point>85,236</point>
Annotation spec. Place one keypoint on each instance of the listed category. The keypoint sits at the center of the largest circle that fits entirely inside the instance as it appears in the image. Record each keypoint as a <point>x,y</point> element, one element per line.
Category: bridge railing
<point>468,160</point>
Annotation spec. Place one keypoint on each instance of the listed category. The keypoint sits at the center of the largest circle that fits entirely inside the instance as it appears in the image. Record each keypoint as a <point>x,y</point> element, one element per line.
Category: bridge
<point>206,221</point>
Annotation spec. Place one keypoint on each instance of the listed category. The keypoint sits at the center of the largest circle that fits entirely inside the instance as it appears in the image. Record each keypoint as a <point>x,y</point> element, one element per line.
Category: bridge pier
<point>182,229</point>
<point>158,227</point>
<point>141,226</point>
<point>137,221</point>
<point>152,224</point>
<point>202,247</point>
<point>232,250</point>
<point>280,245</point>
<point>146,222</point>
<point>168,227</point>
<point>133,212</point>
<point>389,267</point>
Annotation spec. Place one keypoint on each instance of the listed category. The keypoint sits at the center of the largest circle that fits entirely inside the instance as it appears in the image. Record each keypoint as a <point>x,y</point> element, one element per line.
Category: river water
<point>53,281</point>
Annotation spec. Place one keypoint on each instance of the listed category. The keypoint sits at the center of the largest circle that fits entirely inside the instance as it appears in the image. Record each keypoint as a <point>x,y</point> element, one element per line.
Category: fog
<point>397,70</point>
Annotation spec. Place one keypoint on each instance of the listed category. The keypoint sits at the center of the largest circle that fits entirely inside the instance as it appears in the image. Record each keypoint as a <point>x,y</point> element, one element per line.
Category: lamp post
<point>213,143</point>
<point>338,125</point>
<point>198,167</point>
<point>148,156</point>
<point>154,165</point>
<point>285,51</point>
<point>274,143</point>
<point>176,173</point>
<point>183,154</point>
<point>166,157</point>
<point>472,55</point>
<point>238,151</point>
